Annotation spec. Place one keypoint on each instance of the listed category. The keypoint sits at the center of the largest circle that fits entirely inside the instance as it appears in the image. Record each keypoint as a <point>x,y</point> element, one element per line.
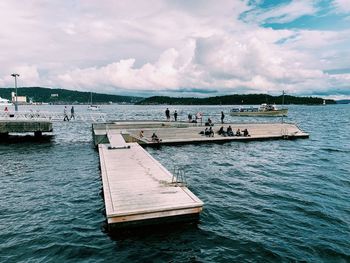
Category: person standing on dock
<point>222,117</point>
<point>189,117</point>
<point>72,113</point>
<point>65,114</point>
<point>175,115</point>
<point>167,114</point>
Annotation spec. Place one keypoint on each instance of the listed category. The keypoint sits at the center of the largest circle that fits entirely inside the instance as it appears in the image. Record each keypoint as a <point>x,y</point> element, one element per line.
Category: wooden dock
<point>138,190</point>
<point>180,133</point>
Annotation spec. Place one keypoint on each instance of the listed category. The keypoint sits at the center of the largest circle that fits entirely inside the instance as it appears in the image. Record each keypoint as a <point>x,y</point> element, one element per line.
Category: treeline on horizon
<point>40,94</point>
<point>248,99</point>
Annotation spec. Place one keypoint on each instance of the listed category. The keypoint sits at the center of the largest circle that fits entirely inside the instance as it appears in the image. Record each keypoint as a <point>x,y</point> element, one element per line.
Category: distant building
<point>54,95</point>
<point>20,99</point>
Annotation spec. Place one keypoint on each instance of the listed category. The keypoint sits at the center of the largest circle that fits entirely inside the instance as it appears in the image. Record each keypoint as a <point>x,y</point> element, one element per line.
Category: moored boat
<point>263,110</point>
<point>93,107</point>
<point>5,102</point>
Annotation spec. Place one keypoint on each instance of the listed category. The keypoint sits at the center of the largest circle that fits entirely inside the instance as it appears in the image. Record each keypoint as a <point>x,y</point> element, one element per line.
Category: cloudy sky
<point>178,47</point>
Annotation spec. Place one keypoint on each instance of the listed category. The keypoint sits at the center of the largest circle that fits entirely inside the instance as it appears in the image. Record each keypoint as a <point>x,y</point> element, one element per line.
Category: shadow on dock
<point>14,139</point>
<point>162,228</point>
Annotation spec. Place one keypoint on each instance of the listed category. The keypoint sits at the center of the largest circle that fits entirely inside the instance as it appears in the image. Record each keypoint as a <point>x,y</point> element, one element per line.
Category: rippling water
<point>265,201</point>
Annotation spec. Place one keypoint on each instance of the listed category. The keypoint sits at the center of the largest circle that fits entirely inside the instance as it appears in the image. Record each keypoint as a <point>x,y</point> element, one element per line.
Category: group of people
<point>65,114</point>
<point>154,137</point>
<point>229,132</point>
<point>167,114</point>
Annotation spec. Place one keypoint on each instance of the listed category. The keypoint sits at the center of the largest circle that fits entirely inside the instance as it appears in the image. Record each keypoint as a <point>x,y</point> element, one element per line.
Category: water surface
<point>265,201</point>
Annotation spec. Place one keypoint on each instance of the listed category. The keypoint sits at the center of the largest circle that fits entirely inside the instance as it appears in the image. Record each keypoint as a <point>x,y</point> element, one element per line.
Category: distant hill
<point>343,101</point>
<point>249,99</point>
<point>61,96</point>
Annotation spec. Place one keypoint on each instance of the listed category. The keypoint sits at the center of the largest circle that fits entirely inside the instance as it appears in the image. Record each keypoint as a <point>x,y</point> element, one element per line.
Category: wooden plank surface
<point>136,187</point>
<point>192,134</point>
<point>116,139</point>
<point>179,132</point>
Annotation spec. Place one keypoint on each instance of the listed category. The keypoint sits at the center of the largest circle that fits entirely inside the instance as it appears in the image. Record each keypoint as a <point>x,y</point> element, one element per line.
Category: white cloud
<point>342,6</point>
<point>218,61</point>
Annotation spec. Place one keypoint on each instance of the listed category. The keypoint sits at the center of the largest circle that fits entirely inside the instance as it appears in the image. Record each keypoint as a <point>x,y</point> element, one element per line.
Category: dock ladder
<point>178,178</point>
<point>284,133</point>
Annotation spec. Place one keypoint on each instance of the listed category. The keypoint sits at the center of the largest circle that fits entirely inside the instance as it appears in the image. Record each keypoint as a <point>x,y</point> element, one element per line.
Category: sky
<point>178,47</point>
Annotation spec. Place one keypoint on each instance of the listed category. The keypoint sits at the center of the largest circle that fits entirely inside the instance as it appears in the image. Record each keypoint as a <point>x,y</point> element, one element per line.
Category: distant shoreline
<point>63,96</point>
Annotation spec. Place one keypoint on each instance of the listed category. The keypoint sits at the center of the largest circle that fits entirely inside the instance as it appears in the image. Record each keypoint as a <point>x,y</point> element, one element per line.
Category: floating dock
<point>181,132</point>
<point>138,190</point>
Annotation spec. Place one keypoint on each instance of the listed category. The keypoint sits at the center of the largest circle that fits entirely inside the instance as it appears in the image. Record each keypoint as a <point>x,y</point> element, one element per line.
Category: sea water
<point>265,201</point>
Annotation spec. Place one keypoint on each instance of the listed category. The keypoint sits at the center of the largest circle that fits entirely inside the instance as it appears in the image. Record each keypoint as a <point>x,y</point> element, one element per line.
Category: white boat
<point>92,106</point>
<point>5,102</point>
<point>263,110</point>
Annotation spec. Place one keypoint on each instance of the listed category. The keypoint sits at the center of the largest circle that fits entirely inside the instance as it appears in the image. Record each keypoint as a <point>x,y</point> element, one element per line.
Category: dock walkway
<point>139,190</point>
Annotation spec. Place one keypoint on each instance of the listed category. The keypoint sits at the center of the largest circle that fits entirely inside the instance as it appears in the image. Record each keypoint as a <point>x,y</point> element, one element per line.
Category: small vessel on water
<point>92,106</point>
<point>263,110</point>
<point>5,102</point>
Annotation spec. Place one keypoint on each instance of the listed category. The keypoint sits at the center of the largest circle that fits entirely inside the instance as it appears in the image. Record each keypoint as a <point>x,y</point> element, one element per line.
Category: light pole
<point>282,104</point>
<point>15,75</point>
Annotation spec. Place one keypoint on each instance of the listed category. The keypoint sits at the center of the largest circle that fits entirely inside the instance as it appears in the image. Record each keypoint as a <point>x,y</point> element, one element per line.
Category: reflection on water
<point>264,200</point>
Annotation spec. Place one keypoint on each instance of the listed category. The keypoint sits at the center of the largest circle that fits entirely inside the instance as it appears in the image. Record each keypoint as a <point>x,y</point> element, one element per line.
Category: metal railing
<point>52,116</point>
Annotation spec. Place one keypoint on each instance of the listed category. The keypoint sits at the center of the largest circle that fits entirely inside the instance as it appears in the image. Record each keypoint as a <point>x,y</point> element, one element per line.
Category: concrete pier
<point>24,126</point>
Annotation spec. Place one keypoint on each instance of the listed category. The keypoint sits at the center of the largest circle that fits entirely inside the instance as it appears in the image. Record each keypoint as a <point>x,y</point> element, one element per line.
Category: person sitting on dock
<point>246,133</point>
<point>155,138</point>
<point>141,134</point>
<point>230,131</point>
<point>222,132</point>
<point>209,122</point>
<point>211,132</point>
<point>238,132</point>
